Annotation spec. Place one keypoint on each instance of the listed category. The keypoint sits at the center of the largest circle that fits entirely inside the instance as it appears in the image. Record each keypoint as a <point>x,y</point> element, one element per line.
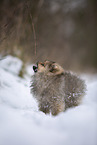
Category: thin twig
<point>32,28</point>
<point>34,33</point>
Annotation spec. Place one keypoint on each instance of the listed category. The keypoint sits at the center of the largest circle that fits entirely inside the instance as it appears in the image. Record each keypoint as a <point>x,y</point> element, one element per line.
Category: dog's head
<point>48,67</point>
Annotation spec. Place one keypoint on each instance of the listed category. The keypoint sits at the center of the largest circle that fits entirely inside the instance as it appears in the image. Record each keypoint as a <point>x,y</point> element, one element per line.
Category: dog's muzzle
<point>35,68</point>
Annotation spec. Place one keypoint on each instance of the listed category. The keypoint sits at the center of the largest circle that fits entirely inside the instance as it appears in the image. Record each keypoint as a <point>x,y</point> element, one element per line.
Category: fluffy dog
<point>56,89</point>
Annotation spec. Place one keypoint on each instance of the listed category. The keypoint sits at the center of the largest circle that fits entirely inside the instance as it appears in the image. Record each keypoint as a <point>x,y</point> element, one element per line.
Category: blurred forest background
<point>64,31</point>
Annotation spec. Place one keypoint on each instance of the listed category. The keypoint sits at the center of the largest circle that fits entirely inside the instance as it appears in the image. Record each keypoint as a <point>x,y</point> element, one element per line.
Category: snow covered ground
<point>22,124</point>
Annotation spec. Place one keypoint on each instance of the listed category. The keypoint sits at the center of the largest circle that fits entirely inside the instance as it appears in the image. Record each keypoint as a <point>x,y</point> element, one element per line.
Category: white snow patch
<point>11,64</point>
<point>22,124</point>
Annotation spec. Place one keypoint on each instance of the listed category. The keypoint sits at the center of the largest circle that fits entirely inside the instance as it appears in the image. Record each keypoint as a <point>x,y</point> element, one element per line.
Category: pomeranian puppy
<point>56,89</point>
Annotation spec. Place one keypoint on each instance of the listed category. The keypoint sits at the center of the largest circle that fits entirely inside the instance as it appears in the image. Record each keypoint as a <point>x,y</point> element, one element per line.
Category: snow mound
<point>22,124</point>
<point>11,64</point>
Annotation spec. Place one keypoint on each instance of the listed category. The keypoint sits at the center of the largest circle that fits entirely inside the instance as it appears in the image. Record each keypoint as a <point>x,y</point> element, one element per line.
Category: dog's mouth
<point>35,68</point>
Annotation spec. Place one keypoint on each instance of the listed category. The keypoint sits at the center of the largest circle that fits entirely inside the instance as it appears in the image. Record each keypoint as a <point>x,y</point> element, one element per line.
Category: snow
<point>11,65</point>
<point>22,124</point>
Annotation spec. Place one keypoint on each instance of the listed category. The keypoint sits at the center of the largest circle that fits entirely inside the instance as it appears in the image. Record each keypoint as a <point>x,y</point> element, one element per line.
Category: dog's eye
<point>54,66</point>
<point>42,64</point>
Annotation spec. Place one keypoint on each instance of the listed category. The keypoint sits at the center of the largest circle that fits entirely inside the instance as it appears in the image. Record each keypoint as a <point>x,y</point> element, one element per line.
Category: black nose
<point>35,68</point>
